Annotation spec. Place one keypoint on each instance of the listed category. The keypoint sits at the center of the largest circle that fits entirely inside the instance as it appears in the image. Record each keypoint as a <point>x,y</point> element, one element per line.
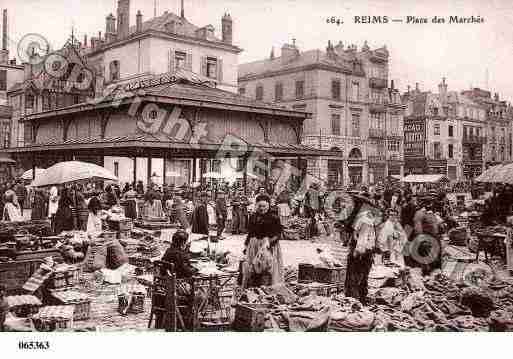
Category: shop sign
<point>161,80</point>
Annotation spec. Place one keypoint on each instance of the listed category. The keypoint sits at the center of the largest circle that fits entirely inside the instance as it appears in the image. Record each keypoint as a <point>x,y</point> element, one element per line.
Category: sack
<point>116,255</point>
<point>263,259</point>
<point>96,257</point>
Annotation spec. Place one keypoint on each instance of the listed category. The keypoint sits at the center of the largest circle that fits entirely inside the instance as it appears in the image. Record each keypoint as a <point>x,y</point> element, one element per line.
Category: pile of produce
<point>295,229</point>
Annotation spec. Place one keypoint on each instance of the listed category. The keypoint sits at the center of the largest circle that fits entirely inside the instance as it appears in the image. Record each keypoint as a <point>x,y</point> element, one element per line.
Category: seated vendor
<point>178,255</point>
<point>12,210</point>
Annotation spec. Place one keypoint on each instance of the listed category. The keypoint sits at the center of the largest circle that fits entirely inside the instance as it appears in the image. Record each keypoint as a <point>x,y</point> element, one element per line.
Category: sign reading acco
<point>164,79</point>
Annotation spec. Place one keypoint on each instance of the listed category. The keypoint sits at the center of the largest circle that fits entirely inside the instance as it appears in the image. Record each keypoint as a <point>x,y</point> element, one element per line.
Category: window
<point>259,93</point>
<point>393,146</point>
<point>300,89</point>
<point>451,131</point>
<point>437,150</point>
<point>114,70</point>
<point>335,124</point>
<point>437,130</point>
<point>29,101</point>
<point>3,80</point>
<point>242,91</point>
<point>180,60</point>
<point>465,132</point>
<point>451,150</point>
<point>355,125</point>
<point>335,89</point>
<point>116,169</point>
<point>355,91</point>
<point>212,67</point>
<point>278,92</point>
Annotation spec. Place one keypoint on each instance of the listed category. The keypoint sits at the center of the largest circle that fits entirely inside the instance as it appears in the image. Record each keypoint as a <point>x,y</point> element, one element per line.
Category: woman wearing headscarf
<point>264,261</point>
<point>94,220</point>
<point>64,215</point>
<point>12,210</point>
<point>361,227</point>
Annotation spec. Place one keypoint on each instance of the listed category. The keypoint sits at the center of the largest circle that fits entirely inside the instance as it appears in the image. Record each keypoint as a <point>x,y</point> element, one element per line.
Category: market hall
<point>177,122</point>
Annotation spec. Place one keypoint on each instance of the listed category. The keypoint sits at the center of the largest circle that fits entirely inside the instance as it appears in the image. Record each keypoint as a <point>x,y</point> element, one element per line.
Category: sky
<point>466,54</point>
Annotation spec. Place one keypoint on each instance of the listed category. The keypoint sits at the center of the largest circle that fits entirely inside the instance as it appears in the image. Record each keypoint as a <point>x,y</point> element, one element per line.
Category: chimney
<point>138,21</point>
<point>272,53</point>
<point>227,28</point>
<point>4,53</point>
<point>110,28</point>
<point>289,52</point>
<point>391,84</point>
<point>409,88</point>
<point>85,40</point>
<point>442,89</point>
<point>27,71</point>
<point>417,87</point>
<point>123,18</point>
<point>182,11</point>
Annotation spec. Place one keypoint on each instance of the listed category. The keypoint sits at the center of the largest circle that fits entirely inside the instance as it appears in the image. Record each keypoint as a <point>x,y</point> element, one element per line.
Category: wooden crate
<point>64,279</point>
<point>306,273</point>
<point>14,274</point>
<point>329,275</point>
<point>319,289</point>
<point>39,254</point>
<point>250,317</point>
<point>54,318</point>
<point>80,302</point>
<point>23,305</point>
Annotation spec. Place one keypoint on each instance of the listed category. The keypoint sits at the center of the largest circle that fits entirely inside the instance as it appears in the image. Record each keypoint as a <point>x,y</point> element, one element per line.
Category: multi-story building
<point>185,74</point>
<point>499,121</point>
<point>346,91</point>
<point>444,133</point>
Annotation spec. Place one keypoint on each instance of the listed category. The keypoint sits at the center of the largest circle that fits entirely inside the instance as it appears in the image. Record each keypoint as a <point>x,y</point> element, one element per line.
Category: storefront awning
<point>424,179</point>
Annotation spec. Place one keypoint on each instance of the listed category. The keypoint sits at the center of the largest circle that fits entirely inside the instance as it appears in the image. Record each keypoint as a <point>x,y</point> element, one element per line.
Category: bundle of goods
<point>73,245</point>
<point>23,305</point>
<point>38,228</point>
<point>132,300</point>
<point>39,277</point>
<point>130,245</point>
<point>105,254</point>
<point>148,247</point>
<point>153,223</point>
<point>458,236</point>
<point>81,303</point>
<point>54,318</point>
<point>63,276</point>
<point>295,229</point>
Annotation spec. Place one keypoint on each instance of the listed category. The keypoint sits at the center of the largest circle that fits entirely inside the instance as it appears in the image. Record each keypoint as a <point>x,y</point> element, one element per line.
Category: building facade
<point>93,106</point>
<point>498,131</point>
<point>444,133</point>
<point>354,112</point>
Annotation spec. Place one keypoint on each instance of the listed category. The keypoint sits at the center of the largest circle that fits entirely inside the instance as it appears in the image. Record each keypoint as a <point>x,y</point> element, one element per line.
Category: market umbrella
<point>72,171</point>
<point>241,175</point>
<point>212,175</point>
<point>27,175</point>
<point>489,175</point>
<point>505,174</point>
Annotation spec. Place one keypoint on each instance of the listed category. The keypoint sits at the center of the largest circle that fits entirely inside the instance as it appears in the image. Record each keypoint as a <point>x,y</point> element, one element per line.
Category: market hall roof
<point>146,141</point>
<point>182,88</point>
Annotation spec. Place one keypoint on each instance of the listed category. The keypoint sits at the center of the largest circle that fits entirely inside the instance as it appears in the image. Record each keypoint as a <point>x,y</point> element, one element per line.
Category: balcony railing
<point>474,140</point>
<point>377,83</point>
<point>377,133</point>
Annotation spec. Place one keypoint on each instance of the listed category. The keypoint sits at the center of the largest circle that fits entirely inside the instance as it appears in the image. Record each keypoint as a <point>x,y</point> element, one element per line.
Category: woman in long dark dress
<point>264,262</point>
<point>361,227</point>
<point>64,215</point>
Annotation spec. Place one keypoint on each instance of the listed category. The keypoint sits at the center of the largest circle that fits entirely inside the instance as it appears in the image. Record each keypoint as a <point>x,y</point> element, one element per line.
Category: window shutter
<point>220,70</point>
<point>188,62</point>
<point>203,66</point>
<point>171,61</point>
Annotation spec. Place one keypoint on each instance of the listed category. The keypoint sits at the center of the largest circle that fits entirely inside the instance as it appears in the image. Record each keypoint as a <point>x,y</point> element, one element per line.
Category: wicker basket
<point>306,273</point>
<point>54,318</point>
<point>23,305</point>
<point>80,302</point>
<point>64,279</point>
<point>319,289</point>
<point>250,317</point>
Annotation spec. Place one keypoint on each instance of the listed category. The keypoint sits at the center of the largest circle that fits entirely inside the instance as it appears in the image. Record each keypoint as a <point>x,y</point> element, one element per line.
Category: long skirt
<point>271,277</point>
<point>357,275</point>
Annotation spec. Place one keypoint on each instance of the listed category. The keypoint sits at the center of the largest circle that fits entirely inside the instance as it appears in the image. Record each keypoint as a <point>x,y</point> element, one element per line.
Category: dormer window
<point>114,70</point>
<point>180,59</point>
<point>211,67</point>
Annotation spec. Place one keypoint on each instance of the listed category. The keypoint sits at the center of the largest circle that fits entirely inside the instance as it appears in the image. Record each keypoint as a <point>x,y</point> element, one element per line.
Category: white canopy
<point>424,178</point>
